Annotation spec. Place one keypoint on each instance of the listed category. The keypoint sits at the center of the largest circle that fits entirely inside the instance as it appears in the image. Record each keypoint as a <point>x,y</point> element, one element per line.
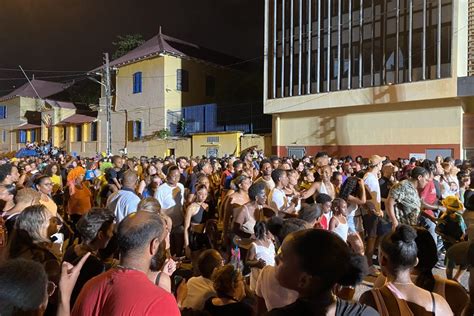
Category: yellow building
<point>216,144</point>
<point>395,82</point>
<point>27,115</point>
<point>152,84</point>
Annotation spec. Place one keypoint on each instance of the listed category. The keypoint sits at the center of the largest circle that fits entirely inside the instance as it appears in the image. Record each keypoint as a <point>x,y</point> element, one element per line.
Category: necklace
<point>402,283</point>
<point>126,268</point>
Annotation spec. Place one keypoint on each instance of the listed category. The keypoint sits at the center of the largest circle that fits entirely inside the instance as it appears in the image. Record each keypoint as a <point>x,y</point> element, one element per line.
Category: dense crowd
<point>244,235</point>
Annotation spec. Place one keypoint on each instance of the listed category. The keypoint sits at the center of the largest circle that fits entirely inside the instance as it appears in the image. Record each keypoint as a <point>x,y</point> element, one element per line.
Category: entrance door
<point>211,152</point>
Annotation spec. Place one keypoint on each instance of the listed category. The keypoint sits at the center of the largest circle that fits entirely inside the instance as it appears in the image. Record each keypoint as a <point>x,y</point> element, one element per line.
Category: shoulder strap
<point>379,302</point>
<point>433,303</point>
<point>401,302</point>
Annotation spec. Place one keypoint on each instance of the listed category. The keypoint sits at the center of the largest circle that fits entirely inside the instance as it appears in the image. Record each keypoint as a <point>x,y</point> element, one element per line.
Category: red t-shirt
<point>428,195</point>
<point>124,292</point>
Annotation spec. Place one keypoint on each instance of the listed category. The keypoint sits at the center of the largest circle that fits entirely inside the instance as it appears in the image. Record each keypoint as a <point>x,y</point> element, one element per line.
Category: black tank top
<point>197,219</point>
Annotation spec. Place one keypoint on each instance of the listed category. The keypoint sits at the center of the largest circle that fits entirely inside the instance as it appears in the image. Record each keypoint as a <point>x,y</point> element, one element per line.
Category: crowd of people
<point>245,235</point>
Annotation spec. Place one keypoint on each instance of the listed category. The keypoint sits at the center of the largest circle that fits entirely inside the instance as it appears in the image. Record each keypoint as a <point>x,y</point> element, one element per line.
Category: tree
<point>126,43</point>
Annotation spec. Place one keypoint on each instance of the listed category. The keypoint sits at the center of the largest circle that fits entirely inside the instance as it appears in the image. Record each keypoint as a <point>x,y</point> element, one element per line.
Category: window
<point>93,132</point>
<point>134,130</point>
<point>137,130</point>
<point>78,133</point>
<point>210,86</point>
<point>137,82</point>
<point>4,136</point>
<point>182,80</point>
<point>3,111</point>
<point>32,135</point>
<point>213,139</point>
<point>21,136</point>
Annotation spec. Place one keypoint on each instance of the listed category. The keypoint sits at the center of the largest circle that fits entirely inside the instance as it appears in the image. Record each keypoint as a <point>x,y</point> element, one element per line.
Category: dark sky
<point>73,34</point>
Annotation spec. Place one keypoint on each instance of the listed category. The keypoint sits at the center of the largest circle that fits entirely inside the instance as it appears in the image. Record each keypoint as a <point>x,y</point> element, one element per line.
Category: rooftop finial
<point>160,30</point>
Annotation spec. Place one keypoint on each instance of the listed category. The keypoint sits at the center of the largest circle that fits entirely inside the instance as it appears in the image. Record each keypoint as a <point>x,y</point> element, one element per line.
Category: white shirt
<point>271,291</point>
<point>171,200</point>
<point>373,183</point>
<point>278,199</point>
<point>122,203</point>
<point>200,289</point>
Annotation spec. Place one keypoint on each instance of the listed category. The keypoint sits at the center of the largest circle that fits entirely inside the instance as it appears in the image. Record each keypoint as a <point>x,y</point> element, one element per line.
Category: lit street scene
<point>238,157</point>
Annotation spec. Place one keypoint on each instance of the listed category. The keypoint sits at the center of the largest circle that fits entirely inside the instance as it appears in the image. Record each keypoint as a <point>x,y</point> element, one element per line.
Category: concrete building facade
<point>360,78</point>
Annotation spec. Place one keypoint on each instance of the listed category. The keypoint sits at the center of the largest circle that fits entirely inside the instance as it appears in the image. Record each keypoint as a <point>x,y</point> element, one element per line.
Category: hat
<point>376,159</point>
<point>452,203</point>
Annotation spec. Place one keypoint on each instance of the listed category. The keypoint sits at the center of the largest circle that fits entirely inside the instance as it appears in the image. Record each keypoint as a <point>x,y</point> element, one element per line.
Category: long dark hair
<point>427,259</point>
<point>49,170</point>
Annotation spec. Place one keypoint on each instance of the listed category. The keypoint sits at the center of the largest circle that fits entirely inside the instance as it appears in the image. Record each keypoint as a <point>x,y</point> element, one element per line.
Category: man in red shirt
<point>127,289</point>
<point>430,208</point>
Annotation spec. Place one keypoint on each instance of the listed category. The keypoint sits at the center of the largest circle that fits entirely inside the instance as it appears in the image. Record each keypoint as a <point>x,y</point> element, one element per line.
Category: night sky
<point>73,34</point>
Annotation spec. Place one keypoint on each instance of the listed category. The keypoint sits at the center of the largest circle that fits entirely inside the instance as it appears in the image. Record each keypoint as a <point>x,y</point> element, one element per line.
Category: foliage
<point>181,129</point>
<point>163,133</point>
<point>126,43</point>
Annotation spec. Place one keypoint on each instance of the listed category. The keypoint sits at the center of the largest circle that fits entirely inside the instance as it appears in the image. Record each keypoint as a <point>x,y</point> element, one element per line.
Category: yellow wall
<point>229,143</point>
<point>407,92</point>
<point>196,93</point>
<point>147,106</point>
<point>433,122</point>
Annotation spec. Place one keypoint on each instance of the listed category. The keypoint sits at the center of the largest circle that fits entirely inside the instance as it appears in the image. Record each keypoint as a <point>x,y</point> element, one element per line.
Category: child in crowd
<point>114,174</point>
<point>323,202</point>
<point>451,226</point>
<point>261,253</point>
<point>338,223</point>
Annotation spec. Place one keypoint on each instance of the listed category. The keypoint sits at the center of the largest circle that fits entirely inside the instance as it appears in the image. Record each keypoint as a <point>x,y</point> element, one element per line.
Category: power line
<point>43,70</point>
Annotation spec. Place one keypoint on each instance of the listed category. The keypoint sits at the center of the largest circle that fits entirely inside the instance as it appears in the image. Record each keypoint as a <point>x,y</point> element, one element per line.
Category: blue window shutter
<point>22,137</point>
<point>137,82</point>
<point>139,129</point>
<point>3,112</point>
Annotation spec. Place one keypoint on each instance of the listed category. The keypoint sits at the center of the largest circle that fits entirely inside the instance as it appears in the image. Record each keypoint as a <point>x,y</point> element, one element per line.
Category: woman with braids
<point>307,273</point>
<point>400,296</point>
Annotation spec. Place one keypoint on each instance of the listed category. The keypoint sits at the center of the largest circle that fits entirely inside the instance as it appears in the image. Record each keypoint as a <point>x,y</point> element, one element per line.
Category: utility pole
<point>107,104</point>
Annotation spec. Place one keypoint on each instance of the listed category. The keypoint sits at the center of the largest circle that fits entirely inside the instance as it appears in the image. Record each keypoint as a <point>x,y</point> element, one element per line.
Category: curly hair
<point>90,224</point>
<point>349,187</point>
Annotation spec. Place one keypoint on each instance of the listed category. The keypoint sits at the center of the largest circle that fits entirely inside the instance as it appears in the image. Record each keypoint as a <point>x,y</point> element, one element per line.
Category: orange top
<point>80,201</point>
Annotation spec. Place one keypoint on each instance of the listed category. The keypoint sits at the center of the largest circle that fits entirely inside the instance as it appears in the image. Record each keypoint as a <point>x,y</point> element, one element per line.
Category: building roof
<point>79,119</point>
<point>61,104</point>
<point>27,126</point>
<point>44,89</point>
<point>162,44</point>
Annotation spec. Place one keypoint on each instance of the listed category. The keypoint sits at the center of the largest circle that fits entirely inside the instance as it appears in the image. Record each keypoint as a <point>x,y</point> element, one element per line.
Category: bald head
<point>130,179</point>
<point>137,230</point>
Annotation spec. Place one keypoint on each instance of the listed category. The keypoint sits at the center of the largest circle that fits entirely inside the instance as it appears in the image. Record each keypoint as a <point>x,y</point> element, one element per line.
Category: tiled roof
<point>78,119</point>
<point>44,89</point>
<point>167,45</point>
<point>27,126</point>
<point>61,104</point>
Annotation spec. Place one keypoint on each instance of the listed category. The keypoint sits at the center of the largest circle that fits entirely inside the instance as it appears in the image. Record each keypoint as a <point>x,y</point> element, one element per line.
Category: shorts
<point>371,223</point>
<point>384,227</point>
